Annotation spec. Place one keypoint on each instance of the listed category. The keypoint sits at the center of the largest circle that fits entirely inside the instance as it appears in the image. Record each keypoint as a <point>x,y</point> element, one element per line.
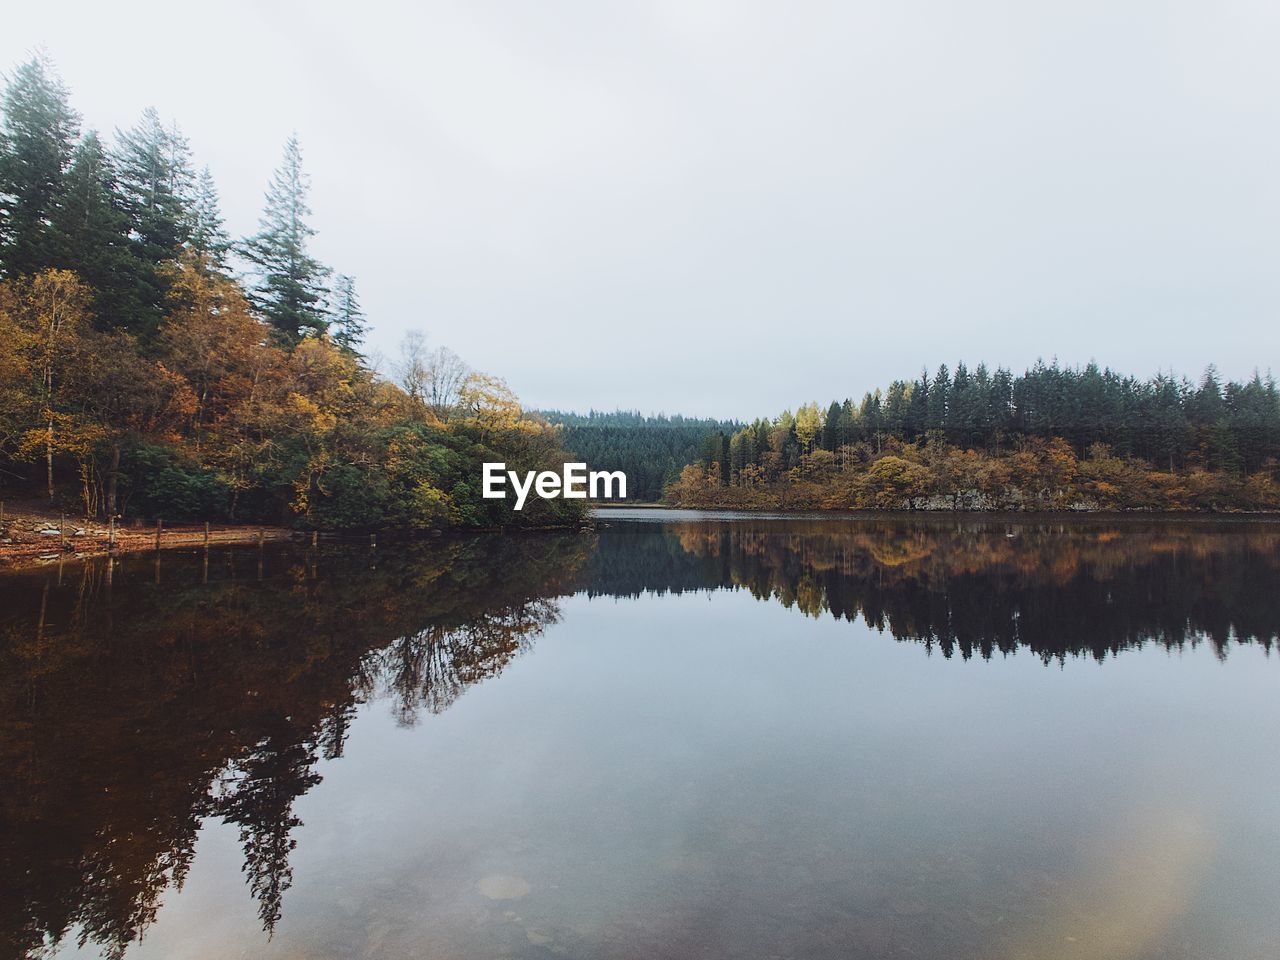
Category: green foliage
<point>160,483</point>
<point>208,233</point>
<point>36,141</point>
<point>347,322</point>
<point>290,290</point>
<point>1051,438</point>
<point>649,450</point>
<point>92,236</point>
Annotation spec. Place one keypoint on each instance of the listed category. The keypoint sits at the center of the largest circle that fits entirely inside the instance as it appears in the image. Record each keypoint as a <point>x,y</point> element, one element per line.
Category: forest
<point>151,366</point>
<point>651,450</point>
<point>1053,438</point>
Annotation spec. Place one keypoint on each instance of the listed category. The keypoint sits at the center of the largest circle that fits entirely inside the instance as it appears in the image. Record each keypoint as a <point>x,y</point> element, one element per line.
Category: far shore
<point>798,513</point>
<point>33,535</point>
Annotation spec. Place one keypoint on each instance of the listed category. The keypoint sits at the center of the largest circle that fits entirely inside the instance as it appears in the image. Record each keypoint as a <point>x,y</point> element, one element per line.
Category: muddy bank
<point>31,535</point>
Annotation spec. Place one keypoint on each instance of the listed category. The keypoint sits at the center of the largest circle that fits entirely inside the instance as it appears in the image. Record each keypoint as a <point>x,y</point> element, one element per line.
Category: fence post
<point>206,534</point>
<point>111,534</point>
<point>159,528</point>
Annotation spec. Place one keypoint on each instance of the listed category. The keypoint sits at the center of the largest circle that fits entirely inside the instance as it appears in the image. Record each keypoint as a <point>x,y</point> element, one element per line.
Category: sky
<point>728,208</point>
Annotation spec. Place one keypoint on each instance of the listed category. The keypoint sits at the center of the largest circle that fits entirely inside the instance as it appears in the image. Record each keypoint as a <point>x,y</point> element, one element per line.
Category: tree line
<point>152,366</point>
<point>1054,437</point>
<point>651,450</point>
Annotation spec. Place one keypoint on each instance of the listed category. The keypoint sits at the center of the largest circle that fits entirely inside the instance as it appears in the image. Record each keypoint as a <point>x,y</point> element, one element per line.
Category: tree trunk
<point>113,476</point>
<point>48,456</point>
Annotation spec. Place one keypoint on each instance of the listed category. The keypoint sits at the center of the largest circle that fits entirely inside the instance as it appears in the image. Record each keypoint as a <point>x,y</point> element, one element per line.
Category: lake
<point>677,736</point>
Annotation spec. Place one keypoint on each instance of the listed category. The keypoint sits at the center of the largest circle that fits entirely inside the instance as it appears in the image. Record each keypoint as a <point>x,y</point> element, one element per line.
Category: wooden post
<point>62,532</point>
<point>111,534</point>
<point>206,534</point>
<point>159,528</point>
<point>262,536</point>
<point>315,539</point>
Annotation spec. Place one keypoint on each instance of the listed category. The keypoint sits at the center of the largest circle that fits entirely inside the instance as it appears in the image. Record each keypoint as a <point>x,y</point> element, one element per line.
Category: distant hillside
<point>650,450</point>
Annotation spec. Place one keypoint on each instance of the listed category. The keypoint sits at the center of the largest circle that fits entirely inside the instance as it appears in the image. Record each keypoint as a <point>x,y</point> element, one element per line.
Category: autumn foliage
<point>152,367</point>
<point>1036,474</point>
<point>215,419</point>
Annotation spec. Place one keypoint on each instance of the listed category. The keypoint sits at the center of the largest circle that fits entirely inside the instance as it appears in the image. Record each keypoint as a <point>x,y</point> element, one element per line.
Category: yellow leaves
<point>490,403</point>
<point>431,507</point>
<point>892,480</point>
<point>808,423</point>
<point>62,433</point>
<point>306,414</point>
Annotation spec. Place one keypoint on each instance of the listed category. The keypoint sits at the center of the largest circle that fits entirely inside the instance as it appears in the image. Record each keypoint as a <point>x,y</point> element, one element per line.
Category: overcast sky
<point>727,208</point>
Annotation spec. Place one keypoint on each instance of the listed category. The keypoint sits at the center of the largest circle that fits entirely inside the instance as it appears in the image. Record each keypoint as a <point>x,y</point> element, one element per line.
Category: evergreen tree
<point>939,395</point>
<point>35,148</point>
<point>290,291</point>
<point>91,232</point>
<point>917,418</point>
<point>346,319</point>
<point>153,169</point>
<point>157,184</point>
<point>208,234</point>
<point>962,408</point>
<point>831,438</point>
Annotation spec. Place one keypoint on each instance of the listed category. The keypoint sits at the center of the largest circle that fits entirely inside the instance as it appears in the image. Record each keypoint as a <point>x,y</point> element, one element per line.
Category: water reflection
<point>1087,587</point>
<point>135,705</point>
<point>140,699</point>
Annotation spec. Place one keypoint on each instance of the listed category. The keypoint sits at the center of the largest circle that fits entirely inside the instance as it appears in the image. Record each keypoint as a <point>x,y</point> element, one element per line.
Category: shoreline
<point>34,545</point>
<point>1272,516</point>
<point>32,535</point>
<point>82,541</point>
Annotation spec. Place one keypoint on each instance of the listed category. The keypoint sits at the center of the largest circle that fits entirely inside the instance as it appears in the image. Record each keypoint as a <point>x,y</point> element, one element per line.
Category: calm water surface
<point>678,736</point>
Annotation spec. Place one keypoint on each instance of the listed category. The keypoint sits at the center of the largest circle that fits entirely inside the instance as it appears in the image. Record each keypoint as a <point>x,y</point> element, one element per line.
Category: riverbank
<point>31,534</point>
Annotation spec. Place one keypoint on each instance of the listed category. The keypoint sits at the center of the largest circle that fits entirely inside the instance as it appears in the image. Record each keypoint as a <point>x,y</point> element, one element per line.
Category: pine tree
<point>290,290</point>
<point>917,419</point>
<point>35,148</point>
<point>346,319</point>
<point>939,395</point>
<point>91,233</point>
<point>153,169</point>
<point>208,236</point>
<point>831,438</point>
<point>157,184</point>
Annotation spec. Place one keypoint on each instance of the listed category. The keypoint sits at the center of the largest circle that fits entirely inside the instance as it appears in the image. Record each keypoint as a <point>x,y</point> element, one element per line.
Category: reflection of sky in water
<point>709,774</point>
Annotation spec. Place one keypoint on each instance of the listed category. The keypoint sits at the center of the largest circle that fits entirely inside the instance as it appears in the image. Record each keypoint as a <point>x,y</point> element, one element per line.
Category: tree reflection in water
<point>133,710</point>
<point>138,700</point>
